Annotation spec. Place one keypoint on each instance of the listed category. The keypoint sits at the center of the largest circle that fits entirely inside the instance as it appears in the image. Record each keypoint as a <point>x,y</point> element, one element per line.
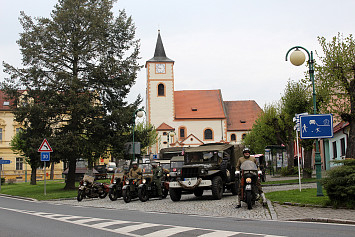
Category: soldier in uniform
<point>135,172</point>
<point>246,156</point>
<point>157,175</point>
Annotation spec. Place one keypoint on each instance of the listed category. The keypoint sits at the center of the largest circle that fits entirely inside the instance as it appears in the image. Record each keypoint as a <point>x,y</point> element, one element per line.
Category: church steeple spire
<point>159,54</point>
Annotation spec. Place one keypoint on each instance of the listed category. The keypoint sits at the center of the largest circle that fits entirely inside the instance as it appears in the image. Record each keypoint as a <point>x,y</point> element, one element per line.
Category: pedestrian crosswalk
<point>132,228</point>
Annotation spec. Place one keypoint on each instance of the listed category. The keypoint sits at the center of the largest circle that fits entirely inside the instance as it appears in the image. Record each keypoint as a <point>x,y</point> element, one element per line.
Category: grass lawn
<point>306,196</point>
<point>291,181</point>
<point>54,190</point>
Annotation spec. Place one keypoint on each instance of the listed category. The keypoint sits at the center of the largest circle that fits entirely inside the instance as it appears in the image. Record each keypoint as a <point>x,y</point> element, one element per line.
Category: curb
<point>325,220</point>
<point>19,197</point>
<point>273,214</point>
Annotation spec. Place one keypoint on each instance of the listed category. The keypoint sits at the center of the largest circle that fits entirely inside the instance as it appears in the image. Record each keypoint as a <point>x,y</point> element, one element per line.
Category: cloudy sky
<point>233,45</point>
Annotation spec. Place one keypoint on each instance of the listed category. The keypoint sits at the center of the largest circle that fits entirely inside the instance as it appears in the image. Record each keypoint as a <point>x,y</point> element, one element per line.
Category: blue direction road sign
<point>316,126</point>
<point>45,156</point>
<point>4,162</point>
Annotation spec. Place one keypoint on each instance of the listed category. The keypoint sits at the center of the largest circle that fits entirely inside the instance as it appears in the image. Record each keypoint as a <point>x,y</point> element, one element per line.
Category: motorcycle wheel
<point>249,197</point>
<point>143,194</point>
<point>80,195</point>
<point>102,194</point>
<point>165,192</point>
<point>175,194</point>
<point>112,194</point>
<point>126,195</point>
<point>217,188</point>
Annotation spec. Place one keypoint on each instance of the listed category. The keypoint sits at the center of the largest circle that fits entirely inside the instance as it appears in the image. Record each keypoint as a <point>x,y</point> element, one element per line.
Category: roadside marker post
<point>45,150</point>
<point>2,162</point>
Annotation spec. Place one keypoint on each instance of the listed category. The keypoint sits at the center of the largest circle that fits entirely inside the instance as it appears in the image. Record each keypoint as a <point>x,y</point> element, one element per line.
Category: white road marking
<point>171,230</point>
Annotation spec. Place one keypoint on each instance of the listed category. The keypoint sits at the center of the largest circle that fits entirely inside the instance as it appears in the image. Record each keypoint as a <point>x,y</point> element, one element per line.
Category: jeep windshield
<point>203,157</point>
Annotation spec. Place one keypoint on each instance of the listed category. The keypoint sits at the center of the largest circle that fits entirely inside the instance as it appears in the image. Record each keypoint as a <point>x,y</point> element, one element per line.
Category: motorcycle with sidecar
<point>89,188</point>
<point>148,189</point>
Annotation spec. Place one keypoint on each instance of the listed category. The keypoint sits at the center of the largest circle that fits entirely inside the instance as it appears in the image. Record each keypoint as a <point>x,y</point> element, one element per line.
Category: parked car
<point>110,167</point>
<point>101,172</point>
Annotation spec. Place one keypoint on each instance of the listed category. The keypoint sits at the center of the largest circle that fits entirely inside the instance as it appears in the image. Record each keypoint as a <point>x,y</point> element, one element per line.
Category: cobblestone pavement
<point>189,204</point>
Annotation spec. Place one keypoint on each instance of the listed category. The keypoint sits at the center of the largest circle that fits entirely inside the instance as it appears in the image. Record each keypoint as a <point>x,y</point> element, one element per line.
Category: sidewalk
<point>315,214</point>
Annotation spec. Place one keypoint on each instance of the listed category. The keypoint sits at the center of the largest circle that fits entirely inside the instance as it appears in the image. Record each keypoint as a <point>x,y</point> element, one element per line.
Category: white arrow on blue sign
<point>316,126</point>
<point>45,156</point>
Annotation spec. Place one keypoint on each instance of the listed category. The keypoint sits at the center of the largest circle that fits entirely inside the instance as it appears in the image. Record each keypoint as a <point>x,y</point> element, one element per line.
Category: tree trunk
<point>52,171</point>
<point>33,175</point>
<point>307,171</point>
<point>350,150</point>
<point>70,182</point>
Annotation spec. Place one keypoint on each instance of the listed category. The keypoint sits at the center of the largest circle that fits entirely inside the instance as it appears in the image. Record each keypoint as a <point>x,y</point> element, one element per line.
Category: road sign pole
<point>45,178</point>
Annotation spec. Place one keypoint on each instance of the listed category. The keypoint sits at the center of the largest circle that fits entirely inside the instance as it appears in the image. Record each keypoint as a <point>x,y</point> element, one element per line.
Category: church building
<point>191,117</point>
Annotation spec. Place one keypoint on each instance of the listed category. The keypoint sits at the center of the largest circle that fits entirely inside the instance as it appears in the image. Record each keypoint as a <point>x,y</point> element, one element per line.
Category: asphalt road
<point>33,218</point>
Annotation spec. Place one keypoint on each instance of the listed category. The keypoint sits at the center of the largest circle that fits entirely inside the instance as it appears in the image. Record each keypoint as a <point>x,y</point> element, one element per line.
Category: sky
<point>236,46</point>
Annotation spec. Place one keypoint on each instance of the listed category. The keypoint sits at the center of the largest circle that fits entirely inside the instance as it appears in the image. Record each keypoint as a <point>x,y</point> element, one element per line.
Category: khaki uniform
<point>239,163</point>
<point>157,175</point>
<point>133,173</point>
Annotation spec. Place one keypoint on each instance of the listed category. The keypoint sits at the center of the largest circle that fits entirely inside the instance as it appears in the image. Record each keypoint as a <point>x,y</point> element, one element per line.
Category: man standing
<point>157,175</point>
<point>246,156</point>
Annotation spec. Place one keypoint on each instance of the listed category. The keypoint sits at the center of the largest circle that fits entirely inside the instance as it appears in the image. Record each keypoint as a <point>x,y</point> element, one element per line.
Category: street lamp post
<point>297,58</point>
<point>138,113</point>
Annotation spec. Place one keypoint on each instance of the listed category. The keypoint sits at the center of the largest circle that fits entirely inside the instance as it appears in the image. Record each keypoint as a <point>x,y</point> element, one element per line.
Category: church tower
<point>160,89</point>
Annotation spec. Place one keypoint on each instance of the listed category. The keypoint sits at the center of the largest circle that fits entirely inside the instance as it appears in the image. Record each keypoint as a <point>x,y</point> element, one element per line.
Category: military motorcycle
<point>148,189</point>
<point>89,188</point>
<point>116,188</point>
<point>248,177</point>
<point>130,189</point>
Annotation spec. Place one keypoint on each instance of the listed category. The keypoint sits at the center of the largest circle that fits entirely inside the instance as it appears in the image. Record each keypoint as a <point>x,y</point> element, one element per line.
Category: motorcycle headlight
<point>203,171</point>
<point>168,175</point>
<point>237,172</point>
<point>260,172</point>
<point>144,181</point>
<point>114,181</point>
<point>127,182</point>
<point>85,183</point>
<point>248,180</point>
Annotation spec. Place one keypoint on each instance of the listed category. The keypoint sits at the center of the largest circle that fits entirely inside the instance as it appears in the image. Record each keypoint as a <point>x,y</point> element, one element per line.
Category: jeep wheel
<point>198,192</point>
<point>175,194</point>
<point>217,187</point>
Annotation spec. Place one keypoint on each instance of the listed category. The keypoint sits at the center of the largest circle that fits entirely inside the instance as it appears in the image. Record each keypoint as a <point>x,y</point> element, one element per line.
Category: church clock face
<point>160,68</point>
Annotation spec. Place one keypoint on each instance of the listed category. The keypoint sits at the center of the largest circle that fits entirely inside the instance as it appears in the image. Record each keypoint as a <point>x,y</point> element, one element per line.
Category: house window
<point>243,136</point>
<point>342,146</point>
<point>233,137</point>
<point>0,134</point>
<point>19,163</point>
<point>164,133</point>
<point>182,133</point>
<point>161,90</point>
<point>18,130</point>
<point>208,134</point>
<point>335,150</point>
<point>0,164</point>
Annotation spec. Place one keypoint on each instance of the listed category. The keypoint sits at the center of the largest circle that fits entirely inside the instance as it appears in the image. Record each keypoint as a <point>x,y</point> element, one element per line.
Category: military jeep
<point>210,166</point>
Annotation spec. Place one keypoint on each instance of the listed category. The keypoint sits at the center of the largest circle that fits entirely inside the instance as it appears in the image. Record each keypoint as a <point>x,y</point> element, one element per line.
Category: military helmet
<point>134,163</point>
<point>246,150</point>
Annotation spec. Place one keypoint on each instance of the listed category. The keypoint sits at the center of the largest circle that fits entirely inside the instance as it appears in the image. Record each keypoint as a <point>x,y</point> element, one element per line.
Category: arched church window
<point>208,134</point>
<point>161,90</point>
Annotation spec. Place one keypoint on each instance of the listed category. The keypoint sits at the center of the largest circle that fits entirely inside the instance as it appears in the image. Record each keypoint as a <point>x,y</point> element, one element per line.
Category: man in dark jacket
<point>157,176</point>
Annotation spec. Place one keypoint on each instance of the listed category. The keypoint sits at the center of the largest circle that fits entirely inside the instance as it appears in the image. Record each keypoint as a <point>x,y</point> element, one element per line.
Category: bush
<point>2,180</point>
<point>340,184</point>
<point>286,171</point>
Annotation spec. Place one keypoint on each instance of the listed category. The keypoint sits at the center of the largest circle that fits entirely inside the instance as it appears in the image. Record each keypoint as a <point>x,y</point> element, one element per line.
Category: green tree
<point>335,77</point>
<point>295,100</point>
<point>147,135</point>
<point>81,62</point>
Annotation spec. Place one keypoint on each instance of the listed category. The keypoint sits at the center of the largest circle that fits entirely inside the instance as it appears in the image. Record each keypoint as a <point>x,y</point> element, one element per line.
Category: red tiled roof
<point>165,127</point>
<point>3,99</point>
<point>340,126</point>
<point>198,104</point>
<point>241,114</point>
